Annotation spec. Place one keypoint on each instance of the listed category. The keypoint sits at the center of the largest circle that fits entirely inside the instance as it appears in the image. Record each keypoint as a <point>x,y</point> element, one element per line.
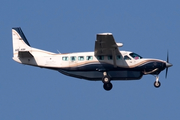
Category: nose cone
<point>168,64</point>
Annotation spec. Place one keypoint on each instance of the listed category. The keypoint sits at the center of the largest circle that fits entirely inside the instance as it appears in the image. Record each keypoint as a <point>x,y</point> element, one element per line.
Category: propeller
<point>167,64</point>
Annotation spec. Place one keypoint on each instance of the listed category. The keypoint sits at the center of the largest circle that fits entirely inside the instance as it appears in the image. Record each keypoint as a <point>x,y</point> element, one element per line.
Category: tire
<point>157,84</point>
<point>107,86</point>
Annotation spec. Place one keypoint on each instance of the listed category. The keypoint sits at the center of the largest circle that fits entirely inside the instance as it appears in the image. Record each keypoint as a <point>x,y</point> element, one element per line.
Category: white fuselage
<point>47,59</point>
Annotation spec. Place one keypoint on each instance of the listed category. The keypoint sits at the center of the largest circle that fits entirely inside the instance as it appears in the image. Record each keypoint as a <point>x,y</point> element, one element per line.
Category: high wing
<point>106,45</point>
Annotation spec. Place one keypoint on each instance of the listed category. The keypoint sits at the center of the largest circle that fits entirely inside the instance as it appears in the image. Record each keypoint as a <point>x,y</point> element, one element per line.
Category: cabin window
<point>89,57</point>
<point>65,58</point>
<point>118,57</point>
<point>126,58</point>
<point>100,57</point>
<point>135,56</point>
<point>81,58</point>
<point>73,58</point>
<point>110,57</point>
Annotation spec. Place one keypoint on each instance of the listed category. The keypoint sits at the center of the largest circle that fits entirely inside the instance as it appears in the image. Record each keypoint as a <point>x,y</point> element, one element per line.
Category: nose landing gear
<point>157,84</point>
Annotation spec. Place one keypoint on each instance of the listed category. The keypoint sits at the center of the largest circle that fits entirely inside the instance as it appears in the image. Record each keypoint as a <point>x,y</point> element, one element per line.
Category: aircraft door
<point>129,60</point>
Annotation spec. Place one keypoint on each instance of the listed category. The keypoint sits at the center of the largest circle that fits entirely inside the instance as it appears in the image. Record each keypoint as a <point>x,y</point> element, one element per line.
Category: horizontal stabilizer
<point>24,54</point>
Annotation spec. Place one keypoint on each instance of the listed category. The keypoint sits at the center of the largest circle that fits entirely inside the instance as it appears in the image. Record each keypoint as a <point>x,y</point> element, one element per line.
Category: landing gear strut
<point>157,84</point>
<point>106,80</point>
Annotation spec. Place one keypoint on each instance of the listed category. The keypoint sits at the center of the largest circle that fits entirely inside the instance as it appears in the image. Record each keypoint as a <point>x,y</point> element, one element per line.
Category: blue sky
<point>149,28</point>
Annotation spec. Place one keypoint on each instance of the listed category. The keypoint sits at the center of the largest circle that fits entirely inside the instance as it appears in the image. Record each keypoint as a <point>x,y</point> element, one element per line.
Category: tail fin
<point>21,46</point>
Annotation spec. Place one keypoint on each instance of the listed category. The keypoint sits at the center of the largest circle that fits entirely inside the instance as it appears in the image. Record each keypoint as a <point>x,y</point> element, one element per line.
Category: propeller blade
<point>166,72</point>
<point>167,64</point>
<point>167,57</point>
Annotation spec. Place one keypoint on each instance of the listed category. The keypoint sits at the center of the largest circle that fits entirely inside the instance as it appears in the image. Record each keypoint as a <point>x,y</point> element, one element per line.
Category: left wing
<point>106,45</point>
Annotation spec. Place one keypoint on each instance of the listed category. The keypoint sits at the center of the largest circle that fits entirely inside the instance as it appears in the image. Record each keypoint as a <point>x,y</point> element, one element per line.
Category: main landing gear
<point>157,84</point>
<point>106,80</point>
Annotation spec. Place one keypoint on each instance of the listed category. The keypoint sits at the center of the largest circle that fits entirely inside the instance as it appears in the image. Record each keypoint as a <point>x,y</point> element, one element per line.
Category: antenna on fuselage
<point>58,52</point>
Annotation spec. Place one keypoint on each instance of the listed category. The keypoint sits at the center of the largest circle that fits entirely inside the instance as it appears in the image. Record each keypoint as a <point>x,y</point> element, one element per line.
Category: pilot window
<point>110,57</point>
<point>118,57</point>
<point>89,57</point>
<point>73,58</point>
<point>126,58</point>
<point>135,56</point>
<point>80,58</point>
<point>100,57</point>
<point>65,58</point>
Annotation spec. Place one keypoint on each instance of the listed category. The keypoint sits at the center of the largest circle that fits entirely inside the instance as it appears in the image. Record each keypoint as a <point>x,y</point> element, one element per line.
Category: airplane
<point>106,63</point>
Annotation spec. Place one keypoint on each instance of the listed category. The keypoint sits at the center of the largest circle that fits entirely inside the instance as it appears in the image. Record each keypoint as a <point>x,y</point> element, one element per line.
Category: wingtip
<point>104,34</point>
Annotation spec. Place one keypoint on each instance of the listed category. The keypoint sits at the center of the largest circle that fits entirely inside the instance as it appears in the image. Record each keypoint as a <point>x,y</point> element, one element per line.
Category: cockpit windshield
<point>135,56</point>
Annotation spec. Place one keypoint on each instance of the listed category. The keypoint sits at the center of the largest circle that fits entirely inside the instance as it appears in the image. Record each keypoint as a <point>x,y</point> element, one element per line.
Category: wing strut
<point>114,57</point>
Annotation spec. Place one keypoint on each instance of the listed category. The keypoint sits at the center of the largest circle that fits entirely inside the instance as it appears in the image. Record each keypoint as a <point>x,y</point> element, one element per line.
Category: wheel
<point>107,86</point>
<point>157,84</point>
<point>106,79</point>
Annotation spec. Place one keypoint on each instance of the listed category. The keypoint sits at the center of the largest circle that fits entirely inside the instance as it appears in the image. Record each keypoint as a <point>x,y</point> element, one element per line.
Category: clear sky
<point>147,27</point>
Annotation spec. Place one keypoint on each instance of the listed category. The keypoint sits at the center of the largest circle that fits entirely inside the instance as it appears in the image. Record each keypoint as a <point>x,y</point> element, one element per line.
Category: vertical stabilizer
<point>20,42</point>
